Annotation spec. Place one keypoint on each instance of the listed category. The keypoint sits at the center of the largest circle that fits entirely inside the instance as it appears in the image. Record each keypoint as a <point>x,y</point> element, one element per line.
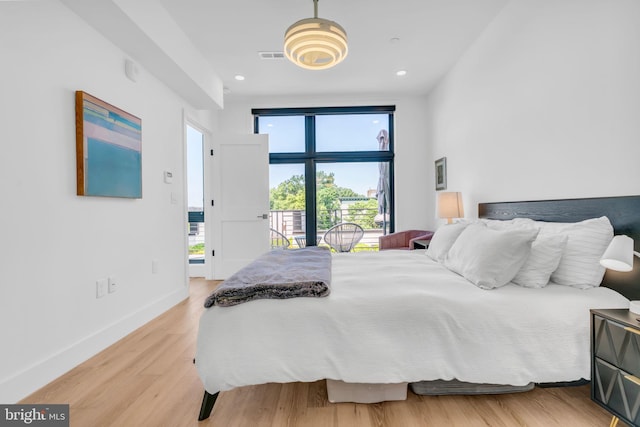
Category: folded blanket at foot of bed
<point>278,274</point>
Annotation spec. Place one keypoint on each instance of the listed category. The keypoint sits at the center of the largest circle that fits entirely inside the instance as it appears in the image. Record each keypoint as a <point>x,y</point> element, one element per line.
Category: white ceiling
<point>433,34</point>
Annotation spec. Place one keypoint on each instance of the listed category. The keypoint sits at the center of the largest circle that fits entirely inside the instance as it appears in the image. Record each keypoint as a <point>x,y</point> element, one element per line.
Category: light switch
<point>112,284</point>
<point>101,288</point>
<point>131,70</point>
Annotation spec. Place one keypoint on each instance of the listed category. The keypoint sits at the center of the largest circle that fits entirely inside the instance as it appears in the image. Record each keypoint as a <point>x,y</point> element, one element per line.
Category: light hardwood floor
<point>148,379</point>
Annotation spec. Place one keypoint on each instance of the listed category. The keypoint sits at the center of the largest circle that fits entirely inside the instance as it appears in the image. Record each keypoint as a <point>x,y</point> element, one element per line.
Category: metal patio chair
<point>344,237</point>
<point>279,240</point>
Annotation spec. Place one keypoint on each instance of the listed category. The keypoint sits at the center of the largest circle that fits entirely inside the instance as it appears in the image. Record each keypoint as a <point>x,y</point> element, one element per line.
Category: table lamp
<point>619,257</point>
<point>450,206</point>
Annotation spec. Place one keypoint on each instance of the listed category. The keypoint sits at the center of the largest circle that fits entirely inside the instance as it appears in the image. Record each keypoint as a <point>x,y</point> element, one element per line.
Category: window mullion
<point>310,180</point>
<point>392,211</point>
<point>312,159</point>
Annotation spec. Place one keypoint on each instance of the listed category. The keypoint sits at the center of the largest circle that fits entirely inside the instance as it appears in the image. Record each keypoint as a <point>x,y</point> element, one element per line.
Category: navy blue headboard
<point>623,212</point>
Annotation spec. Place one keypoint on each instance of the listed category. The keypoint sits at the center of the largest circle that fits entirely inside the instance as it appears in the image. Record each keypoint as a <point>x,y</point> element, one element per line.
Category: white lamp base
<point>634,307</point>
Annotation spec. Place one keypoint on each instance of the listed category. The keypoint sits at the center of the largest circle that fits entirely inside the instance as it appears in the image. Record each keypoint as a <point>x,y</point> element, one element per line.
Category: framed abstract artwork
<point>108,149</point>
<point>441,174</point>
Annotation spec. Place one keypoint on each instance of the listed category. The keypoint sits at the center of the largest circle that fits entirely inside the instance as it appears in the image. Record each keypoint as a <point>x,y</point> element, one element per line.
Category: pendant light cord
<point>315,9</point>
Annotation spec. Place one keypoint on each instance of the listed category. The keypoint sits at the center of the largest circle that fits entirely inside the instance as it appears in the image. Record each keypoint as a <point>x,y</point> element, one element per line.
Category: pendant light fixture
<point>315,43</point>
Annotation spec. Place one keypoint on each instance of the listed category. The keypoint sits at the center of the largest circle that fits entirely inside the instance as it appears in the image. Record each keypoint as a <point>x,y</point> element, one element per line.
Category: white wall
<point>414,181</point>
<point>56,245</point>
<point>546,104</point>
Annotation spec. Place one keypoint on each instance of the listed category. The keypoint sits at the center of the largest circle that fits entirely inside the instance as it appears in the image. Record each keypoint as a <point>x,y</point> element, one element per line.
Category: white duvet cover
<point>397,316</point>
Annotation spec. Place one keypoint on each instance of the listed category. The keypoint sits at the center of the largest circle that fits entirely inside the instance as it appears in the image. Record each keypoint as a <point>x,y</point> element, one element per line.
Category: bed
<point>398,316</point>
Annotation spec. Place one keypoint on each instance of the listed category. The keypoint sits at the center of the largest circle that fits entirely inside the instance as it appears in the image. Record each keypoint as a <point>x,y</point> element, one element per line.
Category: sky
<point>350,132</point>
<point>195,172</point>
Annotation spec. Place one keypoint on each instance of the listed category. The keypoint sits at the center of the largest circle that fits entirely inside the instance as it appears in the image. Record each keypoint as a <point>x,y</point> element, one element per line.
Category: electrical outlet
<point>112,284</point>
<point>101,288</point>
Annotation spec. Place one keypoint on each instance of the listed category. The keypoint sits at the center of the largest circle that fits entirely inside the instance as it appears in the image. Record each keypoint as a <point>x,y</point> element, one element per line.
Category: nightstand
<point>421,243</point>
<point>615,363</point>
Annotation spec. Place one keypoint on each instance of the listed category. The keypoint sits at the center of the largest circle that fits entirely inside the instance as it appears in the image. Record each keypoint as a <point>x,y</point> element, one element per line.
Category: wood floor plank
<point>148,379</point>
<point>292,405</point>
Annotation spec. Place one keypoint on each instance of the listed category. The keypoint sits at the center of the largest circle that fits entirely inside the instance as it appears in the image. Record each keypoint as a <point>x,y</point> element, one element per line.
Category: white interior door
<point>241,201</point>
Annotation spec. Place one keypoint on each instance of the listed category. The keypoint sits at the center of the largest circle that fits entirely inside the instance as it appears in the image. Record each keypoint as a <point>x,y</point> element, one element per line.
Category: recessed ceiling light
<point>270,125</point>
<point>401,73</point>
<point>238,77</point>
<point>375,122</point>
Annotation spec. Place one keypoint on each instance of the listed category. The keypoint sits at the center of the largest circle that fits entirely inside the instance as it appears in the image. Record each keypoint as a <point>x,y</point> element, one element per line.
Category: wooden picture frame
<point>108,149</point>
<point>441,174</point>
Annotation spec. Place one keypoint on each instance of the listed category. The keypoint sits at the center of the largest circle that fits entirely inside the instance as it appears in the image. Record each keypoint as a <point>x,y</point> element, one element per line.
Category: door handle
<point>264,216</point>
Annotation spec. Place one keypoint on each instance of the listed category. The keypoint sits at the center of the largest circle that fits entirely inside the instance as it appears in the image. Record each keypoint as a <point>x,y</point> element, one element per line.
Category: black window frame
<point>310,157</point>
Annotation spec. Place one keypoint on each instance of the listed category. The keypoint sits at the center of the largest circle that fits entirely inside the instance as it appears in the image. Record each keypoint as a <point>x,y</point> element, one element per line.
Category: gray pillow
<point>490,258</point>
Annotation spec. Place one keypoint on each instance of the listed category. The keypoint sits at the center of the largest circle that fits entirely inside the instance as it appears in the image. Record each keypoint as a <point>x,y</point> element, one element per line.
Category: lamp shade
<point>619,254</point>
<point>450,205</point>
<point>315,43</point>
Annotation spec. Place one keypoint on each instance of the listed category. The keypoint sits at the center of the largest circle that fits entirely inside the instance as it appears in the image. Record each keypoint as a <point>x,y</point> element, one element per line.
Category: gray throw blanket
<point>279,274</point>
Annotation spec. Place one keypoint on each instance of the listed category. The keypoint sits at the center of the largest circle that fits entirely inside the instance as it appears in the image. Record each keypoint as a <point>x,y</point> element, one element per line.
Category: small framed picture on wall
<point>441,174</point>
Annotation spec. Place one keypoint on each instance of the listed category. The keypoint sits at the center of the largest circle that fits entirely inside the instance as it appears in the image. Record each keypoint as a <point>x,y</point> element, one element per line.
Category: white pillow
<point>497,224</point>
<point>546,252</point>
<point>490,258</point>
<point>443,239</point>
<point>586,242</point>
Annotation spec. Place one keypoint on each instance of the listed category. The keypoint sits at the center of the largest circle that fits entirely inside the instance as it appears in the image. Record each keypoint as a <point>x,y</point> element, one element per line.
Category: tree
<point>328,203</point>
<point>323,180</point>
<point>290,195</point>
<point>363,213</point>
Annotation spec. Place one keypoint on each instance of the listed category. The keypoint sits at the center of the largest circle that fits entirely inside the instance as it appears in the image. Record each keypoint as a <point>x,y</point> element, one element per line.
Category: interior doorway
<point>196,226</point>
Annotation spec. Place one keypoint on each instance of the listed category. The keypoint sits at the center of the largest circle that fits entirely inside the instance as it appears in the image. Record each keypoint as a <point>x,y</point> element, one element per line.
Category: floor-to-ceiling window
<point>328,166</point>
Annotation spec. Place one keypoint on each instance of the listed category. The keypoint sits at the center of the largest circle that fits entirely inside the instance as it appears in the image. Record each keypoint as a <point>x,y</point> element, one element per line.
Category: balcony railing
<point>196,242</point>
<point>292,223</point>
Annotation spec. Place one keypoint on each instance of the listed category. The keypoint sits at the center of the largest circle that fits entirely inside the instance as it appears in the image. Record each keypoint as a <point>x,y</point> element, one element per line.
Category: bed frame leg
<point>207,405</point>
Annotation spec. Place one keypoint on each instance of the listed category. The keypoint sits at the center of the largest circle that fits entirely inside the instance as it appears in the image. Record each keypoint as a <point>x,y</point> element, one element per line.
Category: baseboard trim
<point>36,376</point>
